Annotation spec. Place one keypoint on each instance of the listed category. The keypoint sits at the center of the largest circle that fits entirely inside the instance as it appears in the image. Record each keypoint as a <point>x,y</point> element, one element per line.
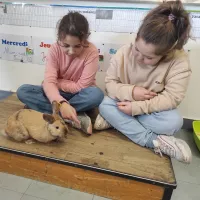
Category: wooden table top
<point>105,150</point>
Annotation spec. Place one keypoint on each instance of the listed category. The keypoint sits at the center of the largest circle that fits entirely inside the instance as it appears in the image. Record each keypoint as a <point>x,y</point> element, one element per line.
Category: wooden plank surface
<point>107,150</point>
<point>80,179</point>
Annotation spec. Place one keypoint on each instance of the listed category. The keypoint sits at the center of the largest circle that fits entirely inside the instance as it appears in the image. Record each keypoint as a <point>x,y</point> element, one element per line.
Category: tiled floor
<point>18,188</point>
<point>188,176</point>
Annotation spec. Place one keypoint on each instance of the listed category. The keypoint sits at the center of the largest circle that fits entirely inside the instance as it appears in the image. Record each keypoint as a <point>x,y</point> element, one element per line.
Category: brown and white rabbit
<point>29,125</point>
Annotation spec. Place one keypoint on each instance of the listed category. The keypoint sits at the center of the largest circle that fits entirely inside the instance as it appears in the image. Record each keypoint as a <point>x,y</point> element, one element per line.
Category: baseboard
<point>187,124</point>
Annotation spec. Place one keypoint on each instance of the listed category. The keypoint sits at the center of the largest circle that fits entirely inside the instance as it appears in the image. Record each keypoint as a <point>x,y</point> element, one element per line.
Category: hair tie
<point>171,17</point>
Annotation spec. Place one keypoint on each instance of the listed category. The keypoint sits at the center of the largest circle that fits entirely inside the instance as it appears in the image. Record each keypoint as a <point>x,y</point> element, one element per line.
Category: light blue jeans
<point>34,97</point>
<point>141,129</point>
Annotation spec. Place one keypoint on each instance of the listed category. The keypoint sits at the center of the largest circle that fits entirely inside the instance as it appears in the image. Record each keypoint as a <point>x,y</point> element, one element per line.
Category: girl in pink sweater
<point>71,67</point>
<point>147,80</point>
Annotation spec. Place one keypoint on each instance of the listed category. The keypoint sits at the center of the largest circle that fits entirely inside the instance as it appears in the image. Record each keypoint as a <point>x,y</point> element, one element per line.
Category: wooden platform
<point>105,164</point>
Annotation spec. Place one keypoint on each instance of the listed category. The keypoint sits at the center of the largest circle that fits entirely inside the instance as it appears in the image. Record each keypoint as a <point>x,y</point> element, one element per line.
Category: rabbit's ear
<point>49,118</point>
<point>55,107</point>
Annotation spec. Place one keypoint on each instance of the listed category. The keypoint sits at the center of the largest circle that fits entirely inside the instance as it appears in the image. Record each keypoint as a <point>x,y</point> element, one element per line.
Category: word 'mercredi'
<point>15,43</point>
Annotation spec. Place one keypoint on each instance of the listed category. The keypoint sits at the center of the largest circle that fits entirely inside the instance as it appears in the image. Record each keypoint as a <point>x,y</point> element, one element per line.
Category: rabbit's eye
<point>57,127</point>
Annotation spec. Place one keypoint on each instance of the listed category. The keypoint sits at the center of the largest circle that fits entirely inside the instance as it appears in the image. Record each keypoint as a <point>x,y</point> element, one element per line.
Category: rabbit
<point>28,126</point>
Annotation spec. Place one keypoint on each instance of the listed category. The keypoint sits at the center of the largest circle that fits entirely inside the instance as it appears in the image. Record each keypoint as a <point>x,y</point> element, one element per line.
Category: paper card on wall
<point>109,51</point>
<point>16,48</point>
<point>89,13</point>
<point>124,21</point>
<point>195,20</point>
<point>41,47</point>
<point>100,48</point>
<point>2,9</point>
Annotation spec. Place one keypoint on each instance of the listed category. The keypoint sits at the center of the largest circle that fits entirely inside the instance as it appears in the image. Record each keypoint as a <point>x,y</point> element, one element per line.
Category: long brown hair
<point>74,24</point>
<point>167,27</point>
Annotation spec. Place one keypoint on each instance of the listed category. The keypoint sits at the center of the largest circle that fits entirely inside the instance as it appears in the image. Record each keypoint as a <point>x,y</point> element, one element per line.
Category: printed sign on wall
<point>109,51</point>
<point>100,48</point>
<point>16,48</point>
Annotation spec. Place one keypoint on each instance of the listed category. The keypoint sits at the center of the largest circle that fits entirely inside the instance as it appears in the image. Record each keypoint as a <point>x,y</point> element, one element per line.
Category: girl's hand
<point>68,112</point>
<point>142,94</point>
<point>125,107</point>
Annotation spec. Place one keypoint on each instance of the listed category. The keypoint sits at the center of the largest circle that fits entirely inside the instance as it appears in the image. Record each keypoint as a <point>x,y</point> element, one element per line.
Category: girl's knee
<point>102,107</point>
<point>26,91</point>
<point>96,95</point>
<point>108,101</point>
<point>22,90</point>
<point>177,122</point>
<point>107,105</point>
<point>173,124</point>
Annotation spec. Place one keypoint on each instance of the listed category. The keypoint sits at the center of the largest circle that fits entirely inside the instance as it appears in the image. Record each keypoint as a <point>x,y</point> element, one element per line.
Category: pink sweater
<point>69,74</point>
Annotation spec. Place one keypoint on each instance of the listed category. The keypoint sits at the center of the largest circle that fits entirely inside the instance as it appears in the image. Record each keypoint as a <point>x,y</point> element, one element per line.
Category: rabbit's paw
<point>30,141</point>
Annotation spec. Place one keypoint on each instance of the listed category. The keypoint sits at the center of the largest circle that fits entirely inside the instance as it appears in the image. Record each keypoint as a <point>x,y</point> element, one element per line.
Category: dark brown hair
<point>165,32</point>
<point>73,24</point>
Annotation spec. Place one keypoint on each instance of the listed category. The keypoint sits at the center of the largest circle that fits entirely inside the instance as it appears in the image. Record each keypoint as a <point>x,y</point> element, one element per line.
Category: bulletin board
<point>101,19</point>
<point>28,49</point>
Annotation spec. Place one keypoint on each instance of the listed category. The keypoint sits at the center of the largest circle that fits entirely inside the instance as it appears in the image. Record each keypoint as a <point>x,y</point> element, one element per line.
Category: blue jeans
<point>34,97</point>
<point>141,129</point>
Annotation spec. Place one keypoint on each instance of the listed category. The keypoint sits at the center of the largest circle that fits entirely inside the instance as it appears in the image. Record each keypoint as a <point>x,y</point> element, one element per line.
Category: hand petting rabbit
<point>28,125</point>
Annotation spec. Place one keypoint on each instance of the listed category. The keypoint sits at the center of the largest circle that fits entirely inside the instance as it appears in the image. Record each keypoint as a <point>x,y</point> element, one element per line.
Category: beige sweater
<point>168,79</point>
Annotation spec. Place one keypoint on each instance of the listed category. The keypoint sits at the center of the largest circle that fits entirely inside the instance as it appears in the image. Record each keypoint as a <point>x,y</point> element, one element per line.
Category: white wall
<point>13,74</point>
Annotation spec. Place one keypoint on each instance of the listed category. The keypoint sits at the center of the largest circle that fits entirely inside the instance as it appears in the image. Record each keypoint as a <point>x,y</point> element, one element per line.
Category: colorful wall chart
<point>34,50</point>
<point>16,48</point>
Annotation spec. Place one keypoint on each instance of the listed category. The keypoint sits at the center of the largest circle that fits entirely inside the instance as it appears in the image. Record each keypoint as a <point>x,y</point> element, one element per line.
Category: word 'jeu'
<point>45,45</point>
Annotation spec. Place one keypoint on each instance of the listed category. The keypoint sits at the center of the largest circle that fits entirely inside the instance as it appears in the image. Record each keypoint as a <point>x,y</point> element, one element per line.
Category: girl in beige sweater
<point>147,80</point>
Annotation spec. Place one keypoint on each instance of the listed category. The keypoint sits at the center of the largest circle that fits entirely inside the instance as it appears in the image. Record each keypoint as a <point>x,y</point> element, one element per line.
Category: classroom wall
<point>13,74</point>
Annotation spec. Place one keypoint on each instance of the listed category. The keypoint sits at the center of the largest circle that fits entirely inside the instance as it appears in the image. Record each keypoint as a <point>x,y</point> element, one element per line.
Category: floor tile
<point>184,134</point>
<point>44,190</point>
<point>75,195</point>
<point>52,192</point>
<point>15,183</point>
<point>186,191</point>
<point>9,195</point>
<point>187,173</point>
<point>27,197</point>
<point>100,198</point>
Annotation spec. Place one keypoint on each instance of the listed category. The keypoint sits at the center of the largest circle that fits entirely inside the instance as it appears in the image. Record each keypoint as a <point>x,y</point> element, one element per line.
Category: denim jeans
<point>141,129</point>
<point>34,97</point>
